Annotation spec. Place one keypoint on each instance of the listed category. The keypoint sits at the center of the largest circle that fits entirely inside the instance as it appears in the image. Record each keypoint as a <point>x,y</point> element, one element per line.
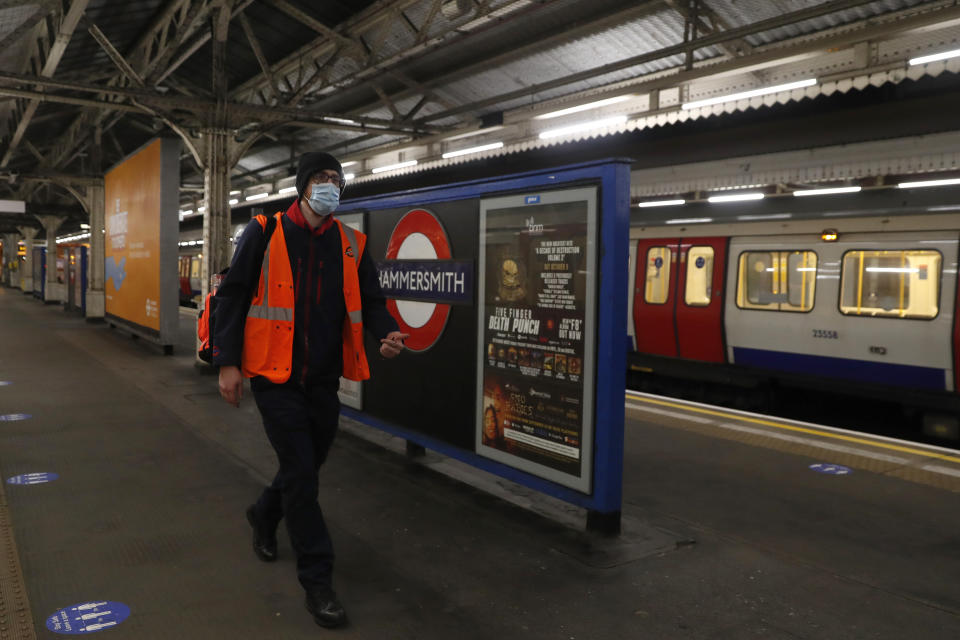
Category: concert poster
<point>536,333</point>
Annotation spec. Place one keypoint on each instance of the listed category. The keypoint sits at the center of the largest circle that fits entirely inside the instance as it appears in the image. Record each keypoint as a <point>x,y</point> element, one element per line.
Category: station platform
<point>730,529</point>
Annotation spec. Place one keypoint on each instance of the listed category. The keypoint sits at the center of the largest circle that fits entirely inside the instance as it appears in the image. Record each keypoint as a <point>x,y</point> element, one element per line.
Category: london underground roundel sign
<point>421,280</point>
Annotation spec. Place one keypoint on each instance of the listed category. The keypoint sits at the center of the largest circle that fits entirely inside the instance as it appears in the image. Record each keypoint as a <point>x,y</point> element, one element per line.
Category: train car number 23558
<point>829,334</point>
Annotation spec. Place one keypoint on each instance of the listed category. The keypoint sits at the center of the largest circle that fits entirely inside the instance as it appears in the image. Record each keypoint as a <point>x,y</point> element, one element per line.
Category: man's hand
<point>231,385</point>
<point>392,345</point>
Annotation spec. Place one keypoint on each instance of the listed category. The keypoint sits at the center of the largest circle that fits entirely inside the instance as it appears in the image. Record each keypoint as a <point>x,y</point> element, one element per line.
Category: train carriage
<point>867,307</point>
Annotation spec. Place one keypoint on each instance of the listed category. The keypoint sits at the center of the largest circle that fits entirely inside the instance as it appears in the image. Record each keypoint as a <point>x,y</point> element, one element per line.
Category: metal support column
<point>96,304</point>
<point>216,149</point>
<point>216,216</point>
<point>26,273</point>
<point>54,291</point>
<point>96,298</point>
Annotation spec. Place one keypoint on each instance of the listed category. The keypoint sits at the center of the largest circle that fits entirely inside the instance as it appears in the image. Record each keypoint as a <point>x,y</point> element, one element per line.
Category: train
<point>866,308</point>
<point>188,263</point>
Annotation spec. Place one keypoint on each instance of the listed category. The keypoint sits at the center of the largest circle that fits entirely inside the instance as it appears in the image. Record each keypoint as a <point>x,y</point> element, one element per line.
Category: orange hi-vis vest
<point>268,332</point>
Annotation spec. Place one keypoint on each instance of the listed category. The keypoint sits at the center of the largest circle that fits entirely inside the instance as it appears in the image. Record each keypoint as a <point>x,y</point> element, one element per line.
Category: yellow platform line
<point>789,427</point>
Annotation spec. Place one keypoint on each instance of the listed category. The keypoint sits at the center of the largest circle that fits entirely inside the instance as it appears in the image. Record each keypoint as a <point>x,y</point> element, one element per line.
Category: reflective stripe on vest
<point>355,366</point>
<point>264,310</point>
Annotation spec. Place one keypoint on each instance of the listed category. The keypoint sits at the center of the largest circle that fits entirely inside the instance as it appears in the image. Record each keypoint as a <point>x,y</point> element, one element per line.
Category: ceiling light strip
<point>689,220</point>
<point>733,97</point>
<point>583,126</point>
<point>660,203</point>
<point>479,149</point>
<point>928,183</point>
<point>584,107</point>
<point>944,55</point>
<point>391,167</point>
<point>736,197</point>
<point>826,192</point>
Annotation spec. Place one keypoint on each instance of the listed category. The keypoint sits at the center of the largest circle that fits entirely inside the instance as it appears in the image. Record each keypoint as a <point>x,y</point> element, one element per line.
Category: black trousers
<point>301,425</point>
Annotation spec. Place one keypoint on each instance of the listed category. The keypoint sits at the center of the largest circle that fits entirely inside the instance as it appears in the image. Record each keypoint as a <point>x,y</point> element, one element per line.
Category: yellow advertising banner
<point>132,240</point>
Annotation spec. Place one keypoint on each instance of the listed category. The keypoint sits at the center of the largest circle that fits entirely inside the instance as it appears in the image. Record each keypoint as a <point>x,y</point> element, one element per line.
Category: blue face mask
<point>324,198</point>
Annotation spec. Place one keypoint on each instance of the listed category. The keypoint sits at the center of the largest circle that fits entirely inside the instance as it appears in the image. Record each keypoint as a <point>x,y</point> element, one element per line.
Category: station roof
<point>387,82</point>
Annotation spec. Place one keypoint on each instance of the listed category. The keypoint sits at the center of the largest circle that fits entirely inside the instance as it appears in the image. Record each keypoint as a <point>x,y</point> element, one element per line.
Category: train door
<point>699,298</point>
<point>654,296</point>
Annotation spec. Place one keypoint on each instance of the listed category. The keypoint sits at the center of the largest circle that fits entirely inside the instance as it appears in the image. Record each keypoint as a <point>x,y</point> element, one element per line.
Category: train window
<point>658,275</point>
<point>194,267</point>
<point>699,277</point>
<point>777,280</point>
<point>890,284</point>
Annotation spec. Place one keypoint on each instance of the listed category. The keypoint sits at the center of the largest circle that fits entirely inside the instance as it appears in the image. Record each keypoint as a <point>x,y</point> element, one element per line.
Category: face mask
<point>324,198</point>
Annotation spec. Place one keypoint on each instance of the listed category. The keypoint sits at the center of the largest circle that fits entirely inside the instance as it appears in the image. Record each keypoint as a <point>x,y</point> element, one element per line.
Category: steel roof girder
<point>717,38</point>
<point>145,97</point>
<point>640,9</point>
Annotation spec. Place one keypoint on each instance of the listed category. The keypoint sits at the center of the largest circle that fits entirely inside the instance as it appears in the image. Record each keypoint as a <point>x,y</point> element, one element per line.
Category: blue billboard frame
<point>613,178</point>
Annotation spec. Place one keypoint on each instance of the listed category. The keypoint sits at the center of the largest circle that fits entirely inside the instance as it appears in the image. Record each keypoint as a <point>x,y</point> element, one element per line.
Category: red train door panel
<point>654,296</point>
<point>699,299</point>
<point>956,338</point>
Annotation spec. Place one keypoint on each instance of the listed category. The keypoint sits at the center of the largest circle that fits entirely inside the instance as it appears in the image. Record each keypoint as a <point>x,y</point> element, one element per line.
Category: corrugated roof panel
<point>122,29</point>
<point>610,46</point>
<point>11,18</point>
<point>737,13</point>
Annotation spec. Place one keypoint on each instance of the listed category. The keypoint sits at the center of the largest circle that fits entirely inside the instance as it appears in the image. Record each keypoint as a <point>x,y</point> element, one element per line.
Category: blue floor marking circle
<point>832,469</point>
<point>88,617</point>
<point>14,417</point>
<point>33,478</point>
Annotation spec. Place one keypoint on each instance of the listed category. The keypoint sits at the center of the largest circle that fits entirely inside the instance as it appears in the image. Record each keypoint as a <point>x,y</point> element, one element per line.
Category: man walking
<point>290,316</point>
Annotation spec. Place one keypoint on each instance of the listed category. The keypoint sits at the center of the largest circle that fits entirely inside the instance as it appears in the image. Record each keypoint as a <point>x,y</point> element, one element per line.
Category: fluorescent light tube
<point>287,190</point>
<point>234,201</point>
<point>391,167</point>
<point>187,212</point>
<point>893,269</point>
<point>826,192</point>
<point>733,97</point>
<point>257,196</point>
<point>945,55</point>
<point>928,183</point>
<point>689,220</point>
<point>583,107</point>
<point>476,132</point>
<point>349,163</point>
<point>736,197</point>
<point>772,216</point>
<point>349,176</point>
<point>234,193</point>
<point>583,126</point>
<point>464,152</point>
<point>660,203</point>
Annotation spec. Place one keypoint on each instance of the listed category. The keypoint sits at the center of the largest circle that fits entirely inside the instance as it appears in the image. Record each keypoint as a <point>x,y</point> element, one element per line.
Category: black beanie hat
<point>312,162</point>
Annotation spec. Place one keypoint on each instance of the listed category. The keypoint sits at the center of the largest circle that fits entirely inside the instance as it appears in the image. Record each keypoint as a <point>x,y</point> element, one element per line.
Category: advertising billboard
<point>141,226</point>
<point>512,365</point>
<point>536,333</point>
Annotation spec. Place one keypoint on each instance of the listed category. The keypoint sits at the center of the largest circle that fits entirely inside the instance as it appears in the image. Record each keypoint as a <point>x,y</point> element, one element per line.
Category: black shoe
<point>264,543</point>
<point>325,608</point>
